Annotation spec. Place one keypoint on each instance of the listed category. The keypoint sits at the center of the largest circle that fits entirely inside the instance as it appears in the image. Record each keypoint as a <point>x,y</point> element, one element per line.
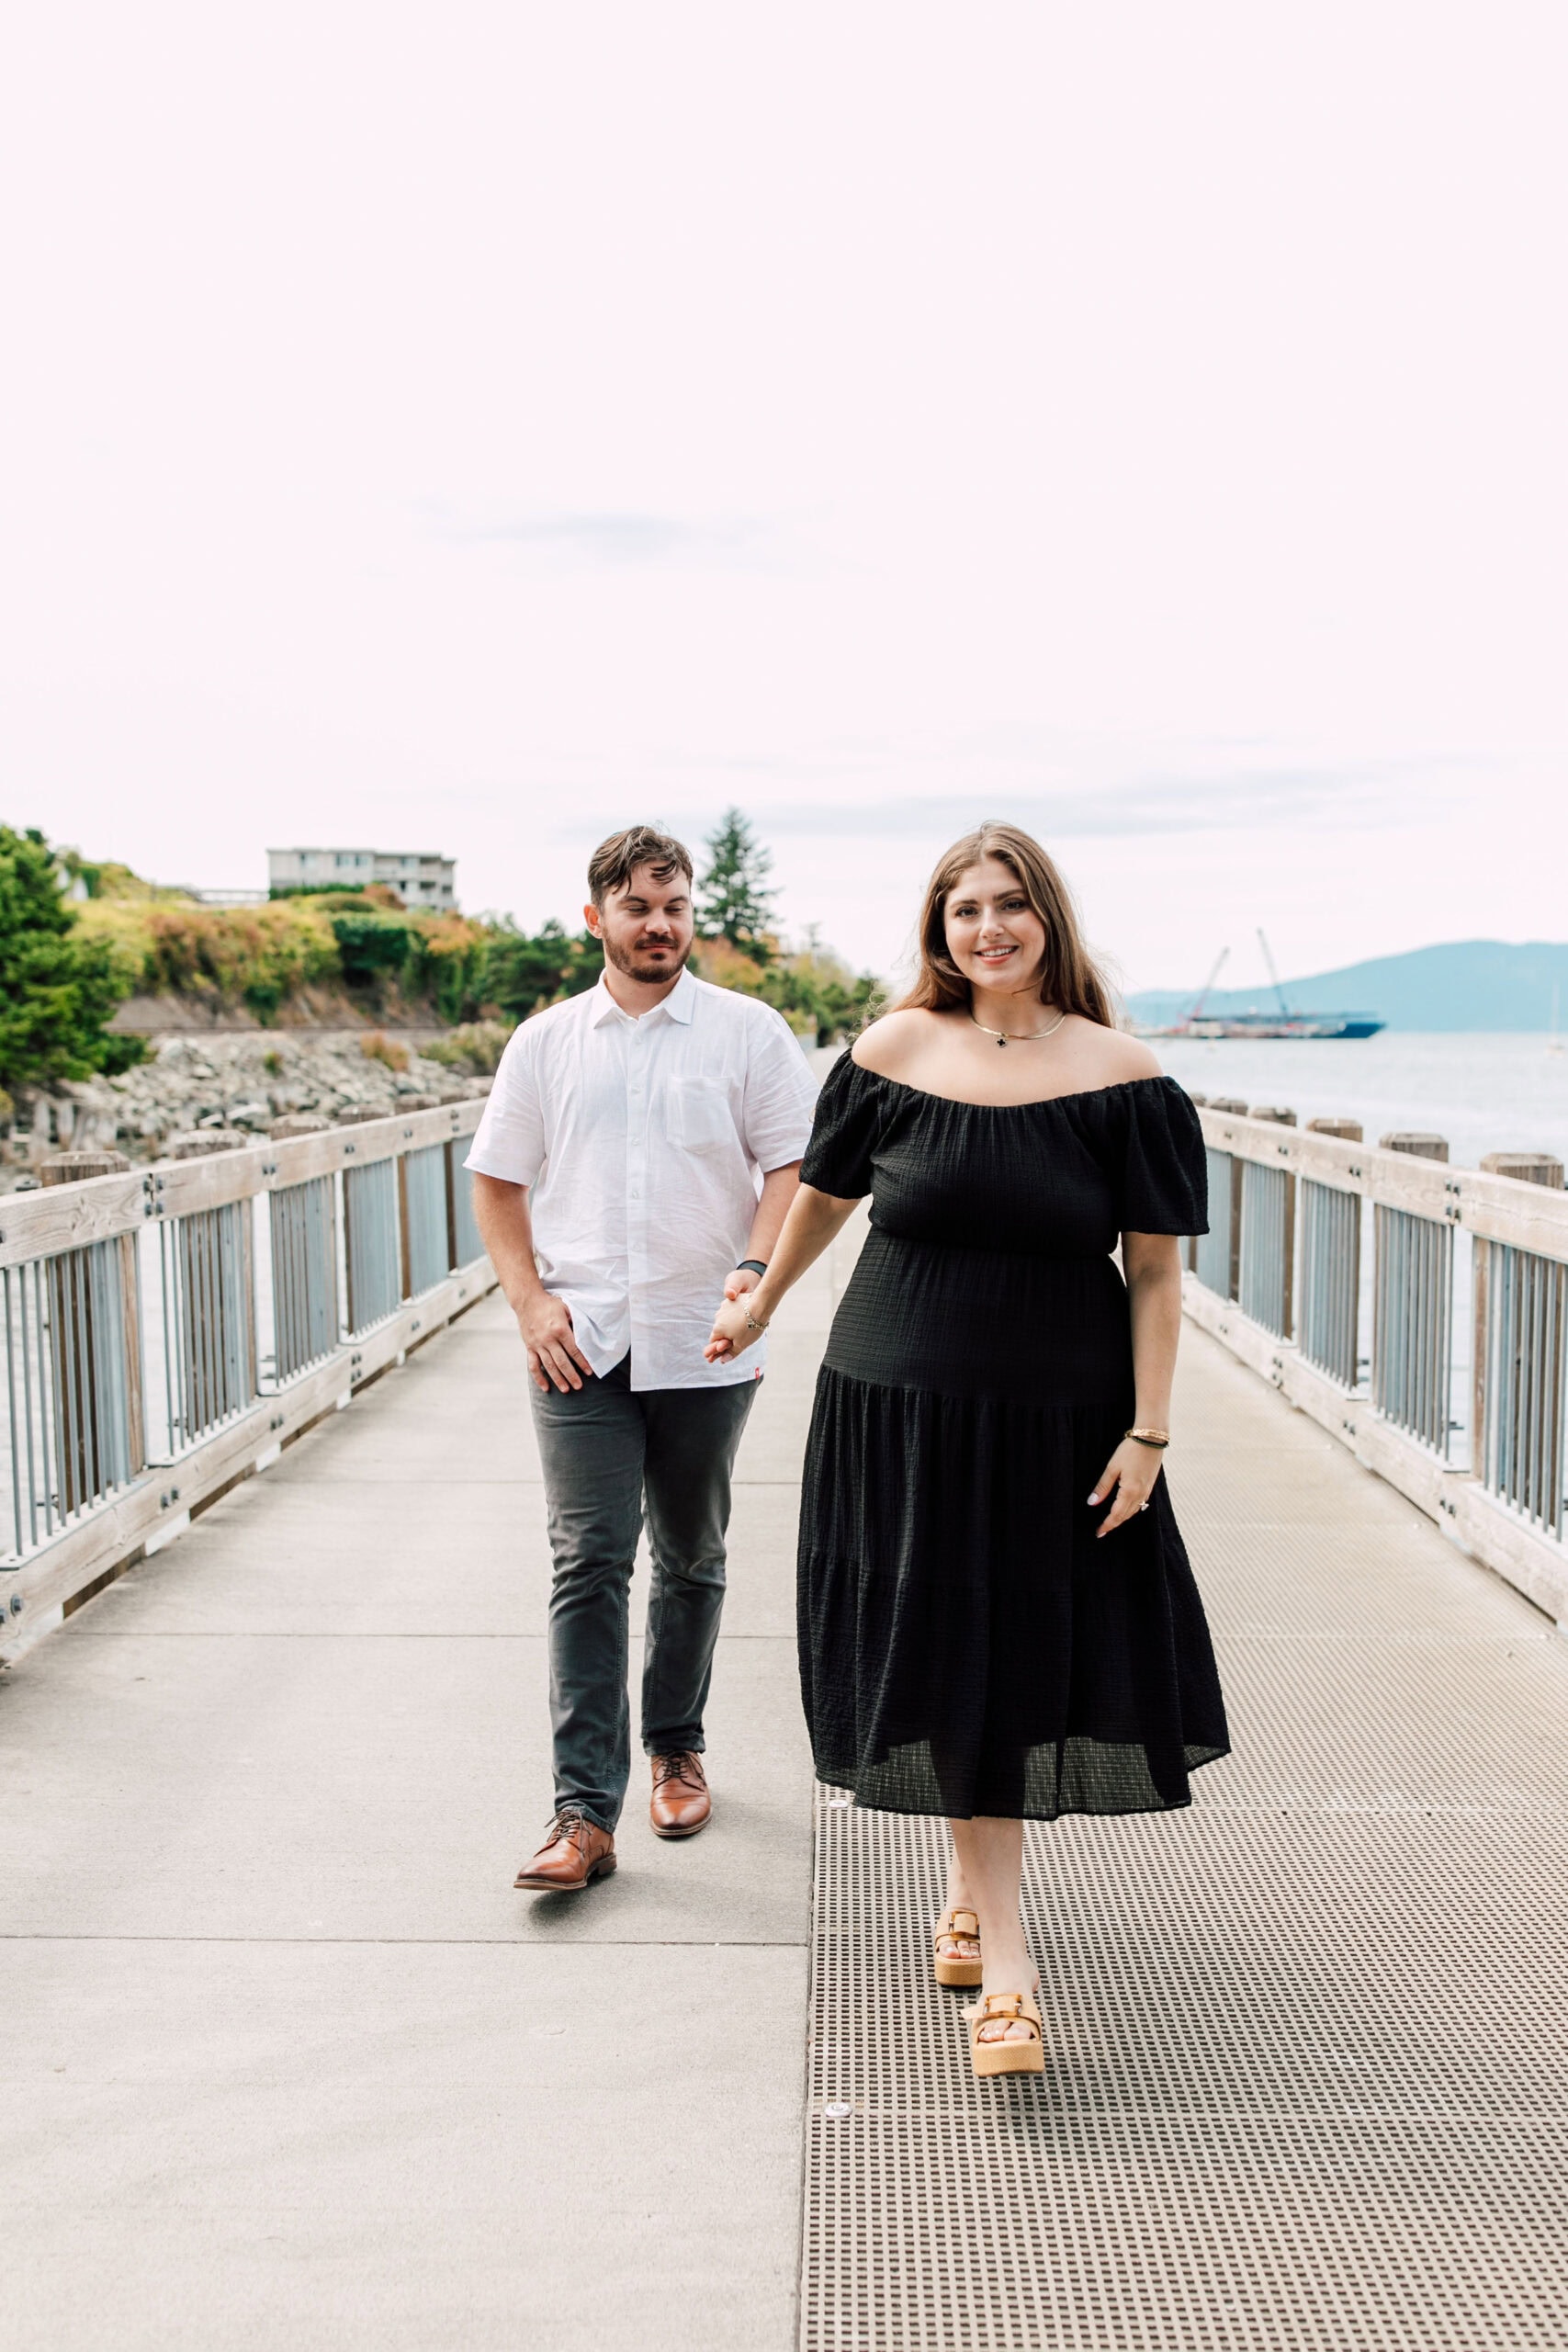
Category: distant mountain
<point>1465,984</point>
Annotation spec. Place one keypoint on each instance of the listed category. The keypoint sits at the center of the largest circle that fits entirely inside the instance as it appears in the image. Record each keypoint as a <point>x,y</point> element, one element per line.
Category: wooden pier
<point>289,2062</point>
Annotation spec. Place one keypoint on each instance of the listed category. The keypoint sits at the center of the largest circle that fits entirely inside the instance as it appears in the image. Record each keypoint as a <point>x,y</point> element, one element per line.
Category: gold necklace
<point>1030,1037</point>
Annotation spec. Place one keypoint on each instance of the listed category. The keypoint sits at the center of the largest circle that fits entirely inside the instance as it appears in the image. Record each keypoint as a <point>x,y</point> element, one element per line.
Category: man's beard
<point>628,960</point>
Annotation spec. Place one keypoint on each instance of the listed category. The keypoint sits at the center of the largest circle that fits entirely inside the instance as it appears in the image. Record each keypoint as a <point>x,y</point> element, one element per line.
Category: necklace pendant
<point>1000,1042</point>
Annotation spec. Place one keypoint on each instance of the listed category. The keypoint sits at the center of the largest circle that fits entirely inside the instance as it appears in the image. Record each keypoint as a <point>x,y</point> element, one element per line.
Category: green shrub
<point>123,1050</point>
<point>446,963</point>
<point>263,997</point>
<point>369,946</point>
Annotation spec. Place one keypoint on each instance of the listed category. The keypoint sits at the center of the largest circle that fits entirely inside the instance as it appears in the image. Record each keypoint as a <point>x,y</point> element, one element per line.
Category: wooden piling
<point>1528,1166</point>
<point>71,1166</point>
<point>1412,1140</point>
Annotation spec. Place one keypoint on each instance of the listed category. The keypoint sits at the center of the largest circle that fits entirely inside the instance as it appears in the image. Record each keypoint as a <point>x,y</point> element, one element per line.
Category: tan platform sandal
<point>953,1967</point>
<point>1027,2057</point>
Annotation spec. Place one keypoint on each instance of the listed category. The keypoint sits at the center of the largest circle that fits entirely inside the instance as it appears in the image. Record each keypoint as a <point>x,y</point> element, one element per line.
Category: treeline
<point>78,938</point>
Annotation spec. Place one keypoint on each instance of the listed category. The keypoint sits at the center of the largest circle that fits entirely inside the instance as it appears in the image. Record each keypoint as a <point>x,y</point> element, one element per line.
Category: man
<point>636,1160</point>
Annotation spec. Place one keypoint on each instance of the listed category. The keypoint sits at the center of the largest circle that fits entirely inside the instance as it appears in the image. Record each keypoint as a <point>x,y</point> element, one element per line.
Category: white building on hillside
<point>419,878</point>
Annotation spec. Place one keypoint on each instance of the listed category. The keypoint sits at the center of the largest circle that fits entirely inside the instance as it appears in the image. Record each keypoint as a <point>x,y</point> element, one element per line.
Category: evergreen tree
<point>733,901</point>
<point>56,990</point>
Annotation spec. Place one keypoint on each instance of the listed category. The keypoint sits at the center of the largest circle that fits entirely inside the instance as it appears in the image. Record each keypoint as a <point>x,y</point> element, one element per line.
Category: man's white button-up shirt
<point>643,1143</point>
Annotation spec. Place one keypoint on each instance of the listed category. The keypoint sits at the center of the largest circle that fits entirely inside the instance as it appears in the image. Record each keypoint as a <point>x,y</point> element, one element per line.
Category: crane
<point>1219,965</point>
<point>1273,975</point>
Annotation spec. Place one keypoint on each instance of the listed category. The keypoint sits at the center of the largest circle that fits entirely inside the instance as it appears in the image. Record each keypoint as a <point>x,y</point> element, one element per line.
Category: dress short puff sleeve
<point>845,1133</point>
<point>1164,1169</point>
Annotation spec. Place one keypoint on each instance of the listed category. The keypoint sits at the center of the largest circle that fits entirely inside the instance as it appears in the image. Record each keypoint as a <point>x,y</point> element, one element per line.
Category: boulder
<point>200,1143</point>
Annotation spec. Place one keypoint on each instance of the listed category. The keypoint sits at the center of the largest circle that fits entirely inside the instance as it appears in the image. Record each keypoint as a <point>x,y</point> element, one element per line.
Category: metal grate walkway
<point>1305,2077</point>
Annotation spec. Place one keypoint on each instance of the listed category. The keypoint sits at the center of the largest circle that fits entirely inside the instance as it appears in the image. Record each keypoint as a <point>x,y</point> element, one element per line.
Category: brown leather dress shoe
<point>575,1852</point>
<point>680,1805</point>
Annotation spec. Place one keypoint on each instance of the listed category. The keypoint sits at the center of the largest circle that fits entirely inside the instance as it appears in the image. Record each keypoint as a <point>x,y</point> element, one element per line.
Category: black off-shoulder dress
<point>967,1644</point>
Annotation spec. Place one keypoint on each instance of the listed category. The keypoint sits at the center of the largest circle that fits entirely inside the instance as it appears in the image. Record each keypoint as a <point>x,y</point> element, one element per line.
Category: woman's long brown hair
<point>1068,976</point>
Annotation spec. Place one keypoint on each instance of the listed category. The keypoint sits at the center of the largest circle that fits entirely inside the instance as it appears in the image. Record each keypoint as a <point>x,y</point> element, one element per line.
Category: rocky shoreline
<point>243,1083</point>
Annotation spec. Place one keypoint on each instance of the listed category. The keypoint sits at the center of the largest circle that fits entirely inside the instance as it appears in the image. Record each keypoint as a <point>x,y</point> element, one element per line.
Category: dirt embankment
<point>208,1013</point>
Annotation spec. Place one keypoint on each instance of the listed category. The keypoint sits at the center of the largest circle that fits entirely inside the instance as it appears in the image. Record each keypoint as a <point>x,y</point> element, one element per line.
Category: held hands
<point>554,1356</point>
<point>1131,1470</point>
<point>730,1337</point>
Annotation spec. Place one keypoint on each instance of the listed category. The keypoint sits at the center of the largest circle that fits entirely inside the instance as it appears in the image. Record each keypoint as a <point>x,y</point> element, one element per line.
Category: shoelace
<point>674,1767</point>
<point>569,1826</point>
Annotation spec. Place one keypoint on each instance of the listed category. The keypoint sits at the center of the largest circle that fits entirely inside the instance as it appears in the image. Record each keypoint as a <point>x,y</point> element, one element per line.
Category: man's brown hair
<point>614,862</point>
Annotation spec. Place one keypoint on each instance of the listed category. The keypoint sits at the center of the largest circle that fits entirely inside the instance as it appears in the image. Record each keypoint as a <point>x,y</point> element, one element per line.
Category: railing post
<point>1237,1108</point>
<point>463,1243</point>
<point>373,1236</point>
<point>1413,1308</point>
<point>1263,1287</point>
<point>1328,1320</point>
<point>73,1167</point>
<point>97,1340</point>
<point>421,1185</point>
<point>1189,1260</point>
<point>1525,1167</point>
<point>1520,1331</point>
<point>1419,1144</point>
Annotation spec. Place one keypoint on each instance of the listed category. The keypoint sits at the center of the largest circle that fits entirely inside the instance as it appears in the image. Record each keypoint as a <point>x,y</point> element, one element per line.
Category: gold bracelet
<point>751,1322</point>
<point>1157,1438</point>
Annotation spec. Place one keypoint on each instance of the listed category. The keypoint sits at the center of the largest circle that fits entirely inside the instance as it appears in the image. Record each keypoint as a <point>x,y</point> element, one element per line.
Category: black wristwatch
<point>751,1266</point>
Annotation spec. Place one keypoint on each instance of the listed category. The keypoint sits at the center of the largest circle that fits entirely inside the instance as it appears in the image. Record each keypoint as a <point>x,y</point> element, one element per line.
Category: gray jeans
<point>612,1455</point>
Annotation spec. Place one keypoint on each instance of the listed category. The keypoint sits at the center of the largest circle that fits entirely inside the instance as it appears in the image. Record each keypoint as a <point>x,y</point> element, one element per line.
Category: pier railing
<point>168,1330</point>
<point>1430,1336</point>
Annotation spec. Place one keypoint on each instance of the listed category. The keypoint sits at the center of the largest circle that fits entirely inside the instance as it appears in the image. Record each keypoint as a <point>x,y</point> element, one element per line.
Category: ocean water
<point>1484,1093</point>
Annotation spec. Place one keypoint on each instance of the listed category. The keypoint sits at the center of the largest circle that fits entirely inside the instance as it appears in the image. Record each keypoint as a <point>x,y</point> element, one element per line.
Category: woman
<point>998,1619</point>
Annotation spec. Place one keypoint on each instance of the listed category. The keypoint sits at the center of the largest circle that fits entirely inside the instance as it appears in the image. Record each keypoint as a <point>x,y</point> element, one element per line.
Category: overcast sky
<point>474,427</point>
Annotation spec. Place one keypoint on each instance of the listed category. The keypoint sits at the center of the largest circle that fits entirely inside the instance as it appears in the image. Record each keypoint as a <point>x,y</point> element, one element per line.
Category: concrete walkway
<point>285,2060</point>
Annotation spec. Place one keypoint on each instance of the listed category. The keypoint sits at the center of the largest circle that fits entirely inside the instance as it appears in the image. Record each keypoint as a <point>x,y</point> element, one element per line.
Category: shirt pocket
<point>700,1117</point>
